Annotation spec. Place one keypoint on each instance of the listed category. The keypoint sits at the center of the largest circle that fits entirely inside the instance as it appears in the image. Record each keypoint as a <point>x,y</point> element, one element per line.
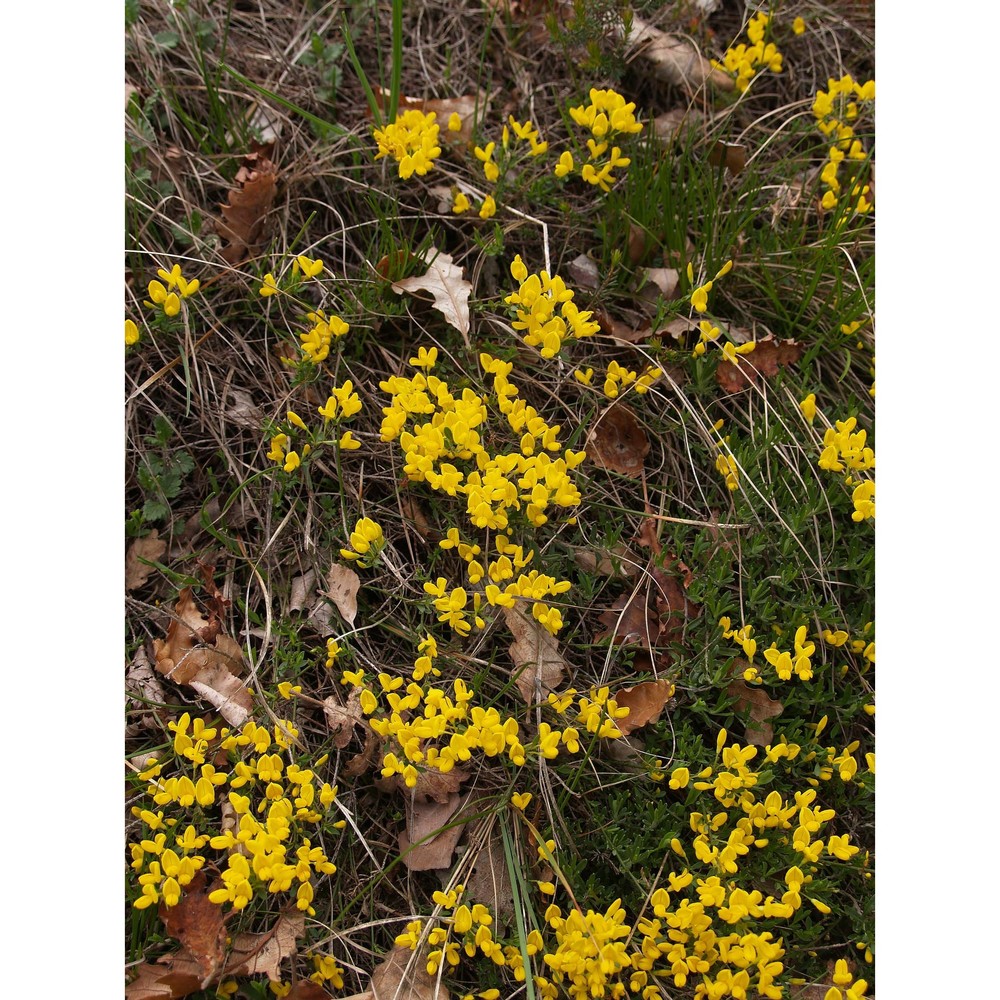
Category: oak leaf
<point>199,926</point>
<point>617,442</point>
<point>253,954</point>
<point>539,666</point>
<point>760,705</point>
<point>150,548</point>
<point>196,653</point>
<point>675,59</point>
<point>762,361</point>
<point>342,718</point>
<point>342,585</point>
<point>402,975</point>
<point>170,977</point>
<point>645,703</point>
<point>250,199</point>
<point>444,281</point>
<point>425,845</point>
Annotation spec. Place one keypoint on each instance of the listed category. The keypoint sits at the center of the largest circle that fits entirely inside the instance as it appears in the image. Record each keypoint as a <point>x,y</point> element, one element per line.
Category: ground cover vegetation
<point>500,500</point>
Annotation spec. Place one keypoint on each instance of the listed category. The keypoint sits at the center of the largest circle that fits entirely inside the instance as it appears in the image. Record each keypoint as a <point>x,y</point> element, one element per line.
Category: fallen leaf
<point>306,989</point>
<point>668,127</point>
<point>763,360</point>
<point>617,442</point>
<point>583,272</point>
<point>489,881</point>
<point>302,589</point>
<point>645,703</point>
<point>538,664</point>
<point>402,975</point>
<point>431,784</point>
<point>620,330</point>
<point>151,548</point>
<point>243,412</point>
<point>424,845</point>
<point>675,59</point>
<point>618,561</point>
<point>733,155</point>
<point>760,705</point>
<point>445,283</point>
<point>630,619</point>
<point>343,718</point>
<point>250,199</point>
<point>169,978</point>
<point>199,926</point>
<point>207,660</point>
<point>664,278</point>
<point>141,681</point>
<point>253,954</point>
<point>413,513</point>
<point>342,585</point>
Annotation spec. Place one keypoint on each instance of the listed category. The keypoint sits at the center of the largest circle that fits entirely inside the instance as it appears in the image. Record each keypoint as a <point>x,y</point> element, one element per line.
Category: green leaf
<point>154,510</point>
<point>167,39</point>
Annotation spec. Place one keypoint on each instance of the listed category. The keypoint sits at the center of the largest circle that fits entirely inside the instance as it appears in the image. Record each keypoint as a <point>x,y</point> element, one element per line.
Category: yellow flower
<point>310,268</point>
<point>296,421</point>
<point>798,26</point>
<point>699,297</point>
<point>565,164</point>
<point>461,204</point>
<point>520,800</point>
<point>347,442</point>
<point>270,286</point>
<point>808,407</point>
<point>131,333</point>
<point>292,461</point>
<point>366,540</point>
<point>454,122</point>
<point>489,208</point>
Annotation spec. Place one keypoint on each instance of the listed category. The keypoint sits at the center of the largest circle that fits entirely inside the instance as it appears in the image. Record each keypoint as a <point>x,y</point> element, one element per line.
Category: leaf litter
<point>445,282</point>
<point>539,667</point>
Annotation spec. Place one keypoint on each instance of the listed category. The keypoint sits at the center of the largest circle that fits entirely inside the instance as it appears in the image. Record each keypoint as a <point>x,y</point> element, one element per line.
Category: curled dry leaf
<point>538,664</point>
<point>732,155</point>
<point>243,412</point>
<point>630,619</point>
<point>664,278</point>
<point>645,703</point>
<point>489,881</point>
<point>764,360</point>
<point>149,548</point>
<point>342,585</point>
<point>617,561</point>
<point>584,272</point>
<point>207,660</point>
<point>142,684</point>
<point>169,978</point>
<point>250,199</point>
<point>343,718</point>
<point>669,126</point>
<point>302,591</point>
<point>402,975</point>
<point>199,926</point>
<point>254,954</point>
<point>618,329</point>
<point>306,989</point>
<point>760,705</point>
<point>444,281</point>
<point>674,59</point>
<point>424,845</point>
<point>617,442</point>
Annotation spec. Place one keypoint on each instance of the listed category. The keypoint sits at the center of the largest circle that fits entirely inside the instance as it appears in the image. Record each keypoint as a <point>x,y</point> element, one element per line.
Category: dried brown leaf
<point>645,703</point>
<point>414,513</point>
<point>253,954</point>
<point>489,881</point>
<point>675,59</point>
<point>243,412</point>
<point>617,441</point>
<point>584,272</point>
<point>431,784</point>
<point>151,548</point>
<point>630,619</point>
<point>141,681</point>
<point>763,360</point>
<point>669,126</point>
<point>342,585</point>
<point>199,926</point>
<point>444,281</point>
<point>169,978</point>
<point>733,155</point>
<point>250,199</point>
<point>424,845</point>
<point>343,718</point>
<point>402,975</point>
<point>664,278</point>
<point>761,707</point>
<point>538,664</point>
<point>306,989</point>
<point>197,654</point>
<point>618,561</point>
<point>302,591</point>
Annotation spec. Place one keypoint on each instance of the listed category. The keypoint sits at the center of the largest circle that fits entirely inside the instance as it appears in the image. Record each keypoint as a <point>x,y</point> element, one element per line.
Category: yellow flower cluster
<point>342,404</point>
<point>271,854</point>
<point>447,452</point>
<point>367,542</point>
<point>281,444</point>
<point>845,448</point>
<point>535,302</point>
<point>411,140</point>
<point>835,109</point>
<point>606,117</point>
<point>863,498</point>
<point>302,265</point>
<point>165,296</point>
<point>744,62</point>
<point>618,378</point>
<point>316,341</point>
<point>429,729</point>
